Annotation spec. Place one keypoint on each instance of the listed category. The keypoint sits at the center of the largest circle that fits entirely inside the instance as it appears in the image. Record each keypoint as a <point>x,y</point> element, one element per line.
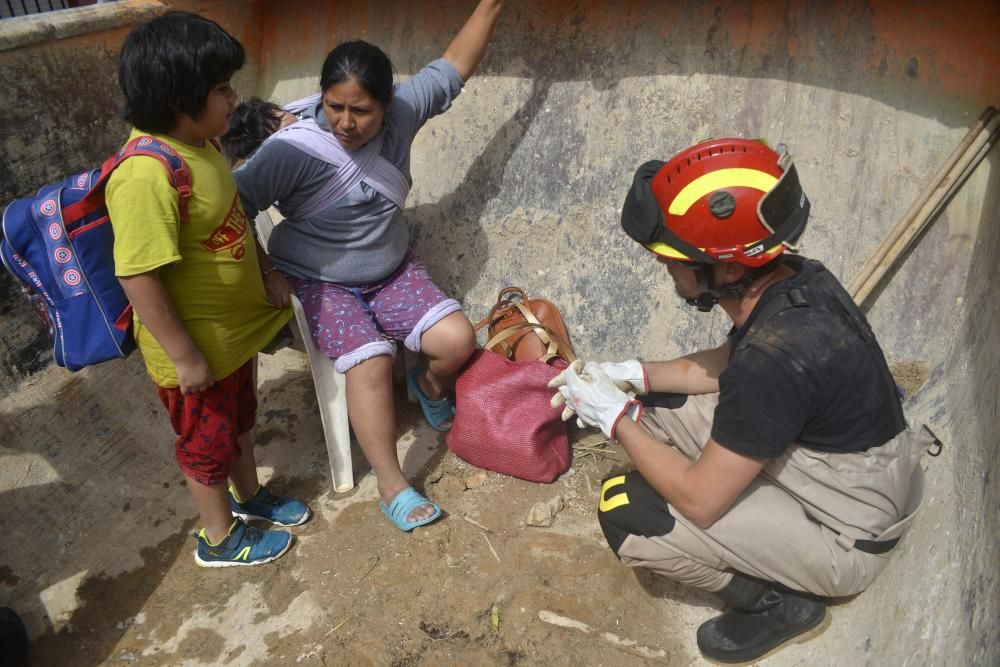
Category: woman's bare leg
<point>447,345</point>
<point>373,417</point>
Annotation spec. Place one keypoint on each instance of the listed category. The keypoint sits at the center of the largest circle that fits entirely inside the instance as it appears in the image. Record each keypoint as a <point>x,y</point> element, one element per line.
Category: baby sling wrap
<point>353,167</point>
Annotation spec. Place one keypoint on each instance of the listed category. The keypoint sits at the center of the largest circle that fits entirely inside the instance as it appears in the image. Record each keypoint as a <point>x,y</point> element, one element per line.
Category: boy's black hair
<point>253,121</point>
<point>168,66</point>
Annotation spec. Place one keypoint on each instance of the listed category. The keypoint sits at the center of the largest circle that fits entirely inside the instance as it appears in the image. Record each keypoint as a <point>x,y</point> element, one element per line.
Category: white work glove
<point>588,392</point>
<point>558,400</point>
<point>629,376</point>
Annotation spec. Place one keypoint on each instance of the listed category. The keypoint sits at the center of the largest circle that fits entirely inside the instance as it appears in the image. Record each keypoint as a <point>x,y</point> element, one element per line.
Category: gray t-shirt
<point>362,237</point>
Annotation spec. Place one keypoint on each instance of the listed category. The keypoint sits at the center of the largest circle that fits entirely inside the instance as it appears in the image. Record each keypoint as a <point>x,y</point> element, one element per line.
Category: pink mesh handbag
<point>503,419</point>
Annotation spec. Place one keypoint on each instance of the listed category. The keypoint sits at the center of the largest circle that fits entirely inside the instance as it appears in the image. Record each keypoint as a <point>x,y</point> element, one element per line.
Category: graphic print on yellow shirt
<point>231,234</point>
<point>208,265</point>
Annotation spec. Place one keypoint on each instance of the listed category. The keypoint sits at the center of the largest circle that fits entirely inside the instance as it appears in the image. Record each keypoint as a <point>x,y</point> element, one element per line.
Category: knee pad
<point>630,506</point>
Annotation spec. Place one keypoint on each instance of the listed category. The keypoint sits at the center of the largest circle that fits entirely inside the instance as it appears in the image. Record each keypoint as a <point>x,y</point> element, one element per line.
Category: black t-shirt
<point>805,368</point>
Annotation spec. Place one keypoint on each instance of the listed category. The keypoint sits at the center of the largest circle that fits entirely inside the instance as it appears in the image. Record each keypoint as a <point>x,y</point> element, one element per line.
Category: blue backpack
<point>60,247</point>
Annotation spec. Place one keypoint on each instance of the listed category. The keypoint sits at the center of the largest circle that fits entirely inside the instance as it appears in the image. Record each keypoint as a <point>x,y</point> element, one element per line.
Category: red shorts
<point>209,422</point>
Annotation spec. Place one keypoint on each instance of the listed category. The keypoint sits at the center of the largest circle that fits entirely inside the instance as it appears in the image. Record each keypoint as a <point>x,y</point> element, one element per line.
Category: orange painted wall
<point>907,47</point>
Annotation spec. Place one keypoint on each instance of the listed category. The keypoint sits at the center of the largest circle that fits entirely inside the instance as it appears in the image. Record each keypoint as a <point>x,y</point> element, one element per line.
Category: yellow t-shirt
<point>208,265</point>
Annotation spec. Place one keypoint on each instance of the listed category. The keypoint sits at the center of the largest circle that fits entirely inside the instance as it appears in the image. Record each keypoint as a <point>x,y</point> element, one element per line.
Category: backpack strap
<point>177,169</point>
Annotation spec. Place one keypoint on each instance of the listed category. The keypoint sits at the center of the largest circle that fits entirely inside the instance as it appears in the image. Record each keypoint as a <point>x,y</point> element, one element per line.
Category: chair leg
<point>331,395</point>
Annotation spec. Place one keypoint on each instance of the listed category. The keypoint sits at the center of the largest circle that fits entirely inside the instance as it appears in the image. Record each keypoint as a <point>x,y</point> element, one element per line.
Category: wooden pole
<point>953,172</point>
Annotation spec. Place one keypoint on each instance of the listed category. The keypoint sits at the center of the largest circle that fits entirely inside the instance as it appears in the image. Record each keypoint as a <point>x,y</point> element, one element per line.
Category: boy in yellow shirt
<point>205,297</point>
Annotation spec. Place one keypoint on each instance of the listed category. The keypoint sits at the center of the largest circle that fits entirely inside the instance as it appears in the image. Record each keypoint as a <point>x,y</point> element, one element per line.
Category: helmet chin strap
<point>709,294</point>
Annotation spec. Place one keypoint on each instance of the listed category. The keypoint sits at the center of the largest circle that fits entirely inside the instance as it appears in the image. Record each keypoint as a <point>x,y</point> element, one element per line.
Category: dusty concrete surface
<point>103,570</point>
<point>62,105</point>
<point>520,183</point>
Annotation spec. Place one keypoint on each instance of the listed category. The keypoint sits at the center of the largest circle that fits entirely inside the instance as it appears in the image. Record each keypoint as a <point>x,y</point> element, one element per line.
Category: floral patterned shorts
<point>353,324</point>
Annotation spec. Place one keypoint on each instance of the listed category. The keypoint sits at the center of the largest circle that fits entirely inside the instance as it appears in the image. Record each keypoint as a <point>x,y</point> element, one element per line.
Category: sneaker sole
<point>250,517</point>
<point>235,563</point>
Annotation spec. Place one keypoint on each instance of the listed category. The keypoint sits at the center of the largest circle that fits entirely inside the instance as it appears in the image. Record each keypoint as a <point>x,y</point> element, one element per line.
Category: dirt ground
<point>97,555</point>
<point>910,375</point>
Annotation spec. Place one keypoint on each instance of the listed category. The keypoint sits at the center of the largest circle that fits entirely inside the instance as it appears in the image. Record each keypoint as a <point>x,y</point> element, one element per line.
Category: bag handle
<point>505,302</point>
<point>556,339</point>
<point>508,292</point>
<point>552,348</point>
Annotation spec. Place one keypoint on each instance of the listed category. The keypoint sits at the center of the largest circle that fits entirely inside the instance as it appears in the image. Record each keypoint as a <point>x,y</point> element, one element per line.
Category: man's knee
<point>630,506</point>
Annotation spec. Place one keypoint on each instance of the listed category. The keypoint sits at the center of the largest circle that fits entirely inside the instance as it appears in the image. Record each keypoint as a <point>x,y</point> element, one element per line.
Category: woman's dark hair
<point>169,65</point>
<point>253,121</point>
<point>365,63</point>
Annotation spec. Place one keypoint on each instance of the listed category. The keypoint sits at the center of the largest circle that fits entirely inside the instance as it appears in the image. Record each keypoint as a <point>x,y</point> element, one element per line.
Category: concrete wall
<point>522,182</point>
<point>61,106</point>
<point>970,406</point>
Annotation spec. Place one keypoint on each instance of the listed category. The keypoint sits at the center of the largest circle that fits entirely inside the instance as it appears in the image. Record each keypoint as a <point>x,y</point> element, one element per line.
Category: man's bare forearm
<point>701,490</point>
<point>695,373</point>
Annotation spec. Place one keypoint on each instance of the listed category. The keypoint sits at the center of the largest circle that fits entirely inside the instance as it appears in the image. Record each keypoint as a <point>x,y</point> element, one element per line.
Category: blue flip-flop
<point>405,502</point>
<point>436,412</point>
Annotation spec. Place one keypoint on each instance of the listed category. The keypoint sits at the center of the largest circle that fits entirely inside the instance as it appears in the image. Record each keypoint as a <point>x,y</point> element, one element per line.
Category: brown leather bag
<point>544,338</point>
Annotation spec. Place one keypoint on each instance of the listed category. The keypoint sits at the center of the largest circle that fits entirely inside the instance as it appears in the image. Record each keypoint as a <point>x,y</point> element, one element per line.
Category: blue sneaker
<point>269,507</point>
<point>244,545</point>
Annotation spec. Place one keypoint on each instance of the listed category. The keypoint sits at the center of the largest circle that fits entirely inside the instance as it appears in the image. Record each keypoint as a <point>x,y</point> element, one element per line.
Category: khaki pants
<point>779,528</point>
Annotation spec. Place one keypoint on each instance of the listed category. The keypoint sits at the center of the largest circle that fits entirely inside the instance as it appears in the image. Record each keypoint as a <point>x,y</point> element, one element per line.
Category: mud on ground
<point>909,375</point>
<point>98,555</point>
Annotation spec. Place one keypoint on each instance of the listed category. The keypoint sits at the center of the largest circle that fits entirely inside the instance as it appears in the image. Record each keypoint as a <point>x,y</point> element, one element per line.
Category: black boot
<point>13,639</point>
<point>763,618</point>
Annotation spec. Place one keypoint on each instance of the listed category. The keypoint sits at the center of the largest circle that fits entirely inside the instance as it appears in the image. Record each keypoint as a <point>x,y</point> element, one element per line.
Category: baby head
<point>252,122</point>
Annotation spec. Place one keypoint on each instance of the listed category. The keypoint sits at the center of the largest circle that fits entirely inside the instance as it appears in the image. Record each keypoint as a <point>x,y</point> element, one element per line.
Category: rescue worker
<point>777,468</point>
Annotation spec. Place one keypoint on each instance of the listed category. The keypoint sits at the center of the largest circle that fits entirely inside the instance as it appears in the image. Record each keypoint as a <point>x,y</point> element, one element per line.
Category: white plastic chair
<point>331,388</point>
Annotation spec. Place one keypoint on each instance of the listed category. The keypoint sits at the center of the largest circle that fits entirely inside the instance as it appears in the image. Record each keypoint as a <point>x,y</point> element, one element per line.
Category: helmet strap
<point>709,294</point>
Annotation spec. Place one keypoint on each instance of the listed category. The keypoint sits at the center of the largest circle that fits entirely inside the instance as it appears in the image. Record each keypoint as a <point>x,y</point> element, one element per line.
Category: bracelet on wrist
<point>266,272</point>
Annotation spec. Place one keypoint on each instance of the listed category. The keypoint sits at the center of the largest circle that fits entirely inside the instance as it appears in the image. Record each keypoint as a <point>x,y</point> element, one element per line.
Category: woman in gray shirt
<point>340,176</point>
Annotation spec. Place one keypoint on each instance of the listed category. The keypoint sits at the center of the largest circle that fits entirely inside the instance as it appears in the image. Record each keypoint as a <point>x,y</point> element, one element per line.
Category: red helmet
<point>723,200</point>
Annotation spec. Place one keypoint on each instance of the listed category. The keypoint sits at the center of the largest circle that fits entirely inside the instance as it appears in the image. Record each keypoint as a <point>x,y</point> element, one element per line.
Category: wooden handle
<point>928,204</point>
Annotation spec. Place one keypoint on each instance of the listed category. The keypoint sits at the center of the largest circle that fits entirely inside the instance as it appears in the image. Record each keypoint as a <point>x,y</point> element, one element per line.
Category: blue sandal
<point>436,412</point>
<point>405,502</point>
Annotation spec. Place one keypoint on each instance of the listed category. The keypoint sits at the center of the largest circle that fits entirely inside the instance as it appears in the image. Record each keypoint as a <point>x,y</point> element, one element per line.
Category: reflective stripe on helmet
<point>720,201</point>
<point>718,180</point>
<point>665,250</point>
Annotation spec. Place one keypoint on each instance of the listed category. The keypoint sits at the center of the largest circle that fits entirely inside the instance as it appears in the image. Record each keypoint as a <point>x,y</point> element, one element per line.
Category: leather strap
<point>543,333</point>
<point>505,302</point>
<point>556,340</point>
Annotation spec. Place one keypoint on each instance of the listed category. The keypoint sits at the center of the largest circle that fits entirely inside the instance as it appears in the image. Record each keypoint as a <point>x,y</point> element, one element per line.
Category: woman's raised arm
<point>469,45</point>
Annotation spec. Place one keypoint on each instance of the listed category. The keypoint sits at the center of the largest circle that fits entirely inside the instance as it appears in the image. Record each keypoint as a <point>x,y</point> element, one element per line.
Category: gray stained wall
<point>522,181</point>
